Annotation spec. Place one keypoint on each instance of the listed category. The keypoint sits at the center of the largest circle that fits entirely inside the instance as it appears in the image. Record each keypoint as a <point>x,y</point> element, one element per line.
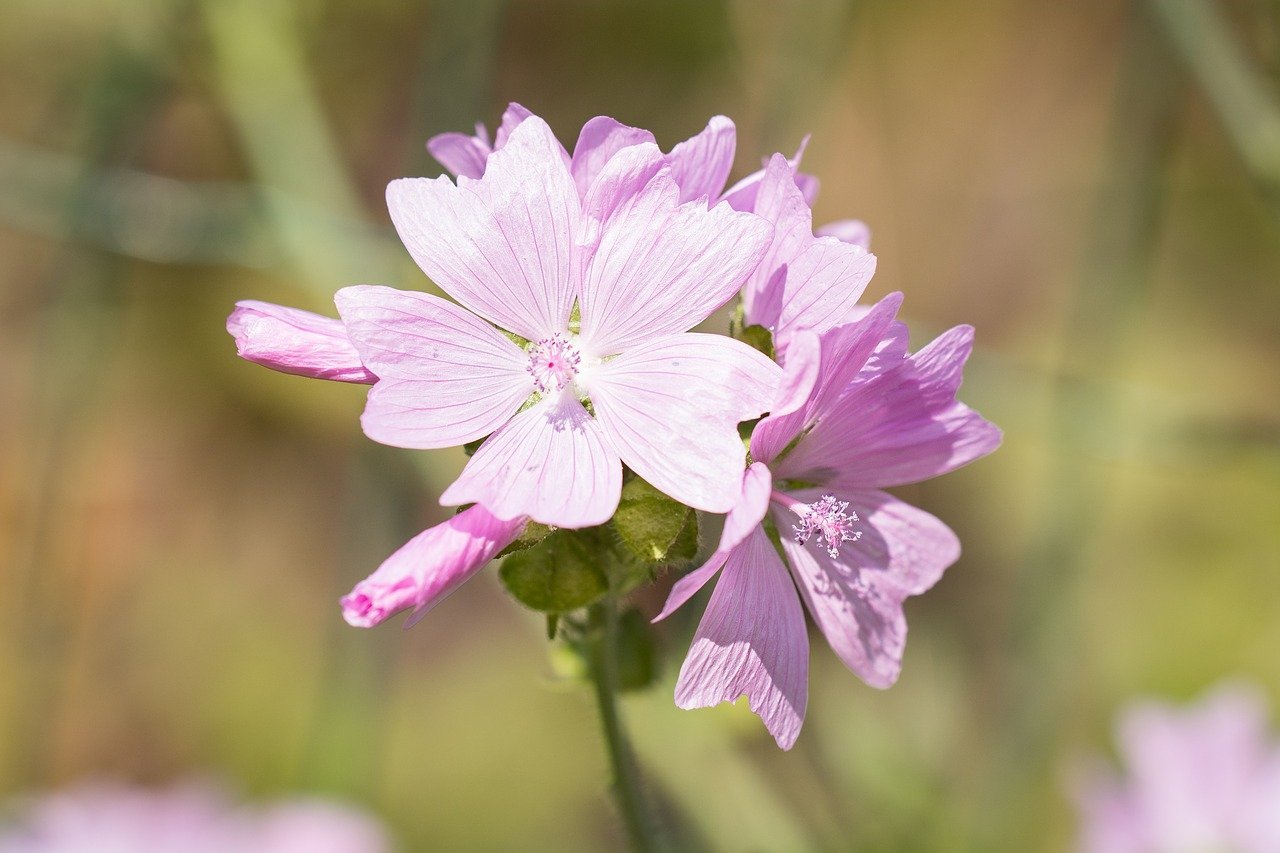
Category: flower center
<point>553,363</point>
<point>827,518</point>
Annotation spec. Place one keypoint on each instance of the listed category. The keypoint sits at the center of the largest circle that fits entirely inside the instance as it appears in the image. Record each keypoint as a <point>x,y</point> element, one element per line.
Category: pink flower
<point>700,165</point>
<point>192,818</point>
<point>1206,777</point>
<point>516,248</point>
<point>855,414</point>
<point>294,341</point>
<point>430,566</point>
<point>805,281</point>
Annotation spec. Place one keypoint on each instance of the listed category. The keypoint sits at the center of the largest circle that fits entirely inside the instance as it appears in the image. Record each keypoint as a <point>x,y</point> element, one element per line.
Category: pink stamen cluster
<point>553,363</point>
<point>827,518</point>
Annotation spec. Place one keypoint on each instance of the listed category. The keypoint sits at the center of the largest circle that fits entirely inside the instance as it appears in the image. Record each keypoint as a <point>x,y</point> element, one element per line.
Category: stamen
<point>827,518</point>
<point>553,363</point>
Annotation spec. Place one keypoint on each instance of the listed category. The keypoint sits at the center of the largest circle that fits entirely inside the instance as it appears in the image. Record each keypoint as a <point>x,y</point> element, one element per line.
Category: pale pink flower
<point>515,249</point>
<point>700,165</point>
<point>291,340</point>
<point>856,414</point>
<point>191,818</point>
<point>805,281</point>
<point>430,566</point>
<point>1204,777</point>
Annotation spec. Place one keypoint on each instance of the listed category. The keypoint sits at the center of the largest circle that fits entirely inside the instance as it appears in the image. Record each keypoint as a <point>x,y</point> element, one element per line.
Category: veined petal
<point>671,407</point>
<point>511,119</point>
<point>852,231</point>
<point>550,462</point>
<point>295,341</point>
<point>902,426</point>
<point>751,640</point>
<point>701,164</point>
<point>803,282</point>
<point>660,267</point>
<point>745,193</point>
<point>501,245</point>
<point>856,598</point>
<point>823,282</point>
<point>446,376</point>
<point>430,566</point>
<point>745,517</point>
<point>600,139</point>
<point>778,201</point>
<point>461,154</point>
<point>843,353</point>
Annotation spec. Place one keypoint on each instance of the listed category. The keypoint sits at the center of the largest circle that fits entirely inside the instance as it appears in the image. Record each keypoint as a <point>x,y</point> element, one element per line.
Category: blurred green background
<point>1094,185</point>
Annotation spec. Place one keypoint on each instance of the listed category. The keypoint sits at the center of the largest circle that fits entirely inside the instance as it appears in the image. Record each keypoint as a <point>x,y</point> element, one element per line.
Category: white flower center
<point>553,363</point>
<point>827,518</point>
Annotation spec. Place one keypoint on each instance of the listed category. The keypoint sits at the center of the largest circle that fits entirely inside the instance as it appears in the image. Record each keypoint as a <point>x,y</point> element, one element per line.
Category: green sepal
<point>553,622</point>
<point>759,338</point>
<point>648,522</point>
<point>686,545</point>
<point>559,574</point>
<point>471,447</point>
<point>533,533</point>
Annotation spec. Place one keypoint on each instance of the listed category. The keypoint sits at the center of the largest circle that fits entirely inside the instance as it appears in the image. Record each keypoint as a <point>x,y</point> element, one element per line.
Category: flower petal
<point>671,407</point>
<point>751,640</point>
<point>821,278</point>
<point>501,245</point>
<point>430,566</point>
<point>745,193</point>
<point>660,267</point>
<point>446,376</point>
<point>852,231</point>
<point>902,426</point>
<point>461,154</point>
<point>294,341</point>
<point>701,164</point>
<point>512,117</point>
<point>550,462</point>
<point>856,598</point>
<point>745,517</point>
<point>600,139</point>
<point>843,355</point>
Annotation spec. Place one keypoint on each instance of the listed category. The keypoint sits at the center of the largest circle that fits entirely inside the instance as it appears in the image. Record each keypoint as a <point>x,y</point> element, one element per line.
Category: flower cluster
<point>1204,777</point>
<point>566,351</point>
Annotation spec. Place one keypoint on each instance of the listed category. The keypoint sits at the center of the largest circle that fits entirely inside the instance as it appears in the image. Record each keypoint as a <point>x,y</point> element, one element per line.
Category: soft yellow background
<point>1093,185</point>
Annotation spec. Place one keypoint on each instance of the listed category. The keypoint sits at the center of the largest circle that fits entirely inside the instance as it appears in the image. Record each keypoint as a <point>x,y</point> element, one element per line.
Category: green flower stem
<point>628,789</point>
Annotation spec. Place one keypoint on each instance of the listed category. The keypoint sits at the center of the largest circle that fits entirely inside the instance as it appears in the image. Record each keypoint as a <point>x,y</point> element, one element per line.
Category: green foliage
<point>758,337</point>
<point>649,523</point>
<point>533,533</point>
<point>559,574</point>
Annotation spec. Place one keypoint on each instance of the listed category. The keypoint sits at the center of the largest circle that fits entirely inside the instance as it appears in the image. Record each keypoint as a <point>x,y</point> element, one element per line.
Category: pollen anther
<point>827,517</point>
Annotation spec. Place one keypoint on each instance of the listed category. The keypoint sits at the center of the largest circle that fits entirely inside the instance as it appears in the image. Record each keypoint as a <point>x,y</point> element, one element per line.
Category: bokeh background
<point>1094,185</point>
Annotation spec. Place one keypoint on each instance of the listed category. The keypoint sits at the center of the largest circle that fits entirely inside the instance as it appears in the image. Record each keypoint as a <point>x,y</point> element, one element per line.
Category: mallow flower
<point>700,165</point>
<point>805,281</point>
<point>1204,777</point>
<point>856,414</point>
<point>521,254</point>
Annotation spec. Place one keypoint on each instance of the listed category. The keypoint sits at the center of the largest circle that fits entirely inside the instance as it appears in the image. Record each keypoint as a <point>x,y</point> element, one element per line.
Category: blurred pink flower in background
<point>856,414</point>
<point>193,817</point>
<point>1204,777</point>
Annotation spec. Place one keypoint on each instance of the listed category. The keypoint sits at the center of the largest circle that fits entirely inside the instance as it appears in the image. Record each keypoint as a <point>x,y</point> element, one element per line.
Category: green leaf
<point>685,548</point>
<point>533,533</point>
<point>559,574</point>
<point>759,338</point>
<point>637,662</point>
<point>648,522</point>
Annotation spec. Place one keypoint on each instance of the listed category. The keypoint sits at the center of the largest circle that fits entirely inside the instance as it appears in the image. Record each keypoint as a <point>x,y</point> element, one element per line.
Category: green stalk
<point>627,788</point>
